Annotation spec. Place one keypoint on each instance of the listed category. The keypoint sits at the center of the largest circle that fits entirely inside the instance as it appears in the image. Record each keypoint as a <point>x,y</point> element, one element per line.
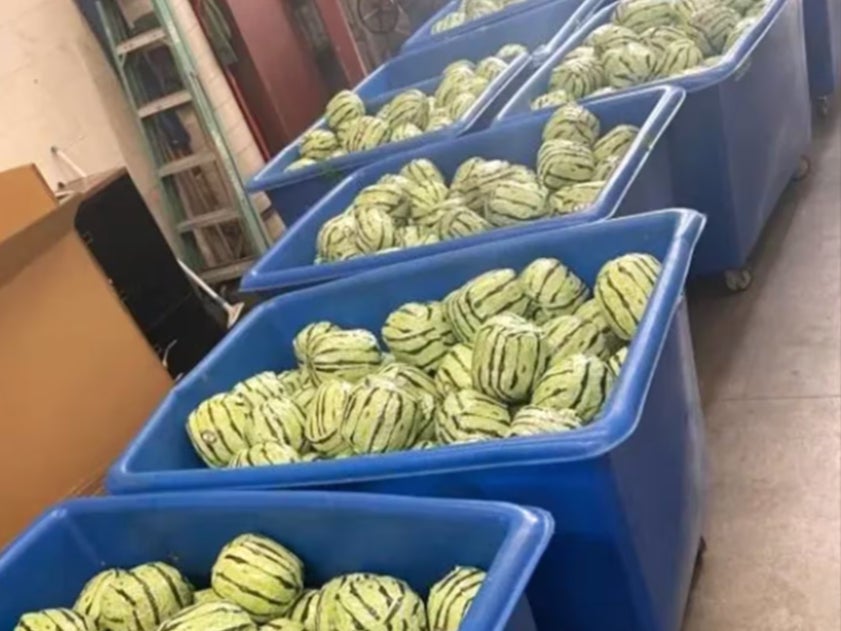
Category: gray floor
<point>769,362</point>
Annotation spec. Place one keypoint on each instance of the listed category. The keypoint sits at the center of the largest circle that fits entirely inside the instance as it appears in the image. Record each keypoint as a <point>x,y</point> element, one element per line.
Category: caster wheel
<point>738,280</point>
<point>803,169</point>
<point>824,105</point>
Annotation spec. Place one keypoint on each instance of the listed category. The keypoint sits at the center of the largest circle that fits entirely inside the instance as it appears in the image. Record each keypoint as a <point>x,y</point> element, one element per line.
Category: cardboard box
<point>77,378</point>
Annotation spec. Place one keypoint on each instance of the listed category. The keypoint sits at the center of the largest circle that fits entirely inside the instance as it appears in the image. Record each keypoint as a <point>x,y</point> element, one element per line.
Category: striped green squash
<point>268,453</point>
<point>326,615</point>
<point>678,57</point>
<point>592,311</point>
<point>607,36</point>
<point>512,203</point>
<point>531,420</point>
<point>404,131</point>
<point>300,163</point>
<point>305,609</point>
<point>455,372</point>
<point>375,229</point>
<point>305,395</point>
<point>425,199</point>
<point>347,354</point>
<point>205,596</point>
<point>461,221</point>
<point>259,388</point>
<point>210,617</point>
<point>463,178</point>
<point>623,287</point>
<point>379,417</point>
<point>510,52</point>
<point>324,420</point>
<point>554,98</point>
<point>389,195</point>
<point>410,106</point>
<point>89,601</point>
<point>449,21</point>
<point>657,38</point>
<point>54,620</point>
<point>552,288</point>
<point>258,574</point>
<point>450,598</point>
<point>438,119</point>
<point>491,67</point>
<point>336,240</point>
<point>461,105</point>
<point>629,65</point>
<point>741,28</point>
<point>487,295</point>
<point>509,357</point>
<point>570,335</point>
<point>283,624</point>
<point>142,598</point>
<point>366,132</point>
<point>344,107</point>
<point>318,144</point>
<point>217,428</point>
<point>605,168</point>
<point>452,84</point>
<point>575,197</point>
<point>616,361</point>
<point>469,415</point>
<point>379,603</point>
<point>577,77</point>
<point>419,334</point>
<point>616,142</point>
<point>579,382</point>
<point>302,343</point>
<point>710,26</point>
<point>562,162</point>
<point>572,122</point>
<point>685,8</point>
<point>475,9</point>
<point>639,15</point>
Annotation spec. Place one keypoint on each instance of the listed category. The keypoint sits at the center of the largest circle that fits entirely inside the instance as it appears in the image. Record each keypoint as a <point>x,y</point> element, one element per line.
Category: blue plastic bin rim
<point>619,420</point>
<point>273,175</point>
<point>733,63</point>
<point>262,277</point>
<point>528,530</point>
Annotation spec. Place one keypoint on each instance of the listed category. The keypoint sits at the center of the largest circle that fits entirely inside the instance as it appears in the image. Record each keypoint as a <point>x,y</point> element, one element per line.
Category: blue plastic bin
<point>822,23</point>
<point>541,29</point>
<point>739,137</point>
<point>625,491</point>
<point>292,193</point>
<point>417,540</point>
<point>640,183</point>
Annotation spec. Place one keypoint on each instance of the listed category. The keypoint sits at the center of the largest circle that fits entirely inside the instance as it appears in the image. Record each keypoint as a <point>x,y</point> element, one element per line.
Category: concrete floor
<point>769,362</point>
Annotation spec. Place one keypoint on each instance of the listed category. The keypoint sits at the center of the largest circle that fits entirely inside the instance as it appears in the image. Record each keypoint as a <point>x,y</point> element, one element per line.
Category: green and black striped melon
<point>336,239</point>
<point>404,131</point>
<point>419,334</point>
<point>577,77</point>
<point>375,229</point>
<point>685,8</point>
<point>450,598</point>
<point>554,98</point>
<point>410,106</point>
<point>305,609</point>
<point>639,15</point>
<point>678,57</point>
<point>326,614</point>
<point>344,107</point>
<point>210,617</point>
<point>623,287</point>
<point>710,26</point>
<point>629,65</point>
<point>366,132</point>
<point>300,163</point>
<point>390,195</point>
<point>475,9</point>
<point>346,354</point>
<point>424,199</point>
<point>302,343</point>
<point>324,420</point>
<point>552,288</point>
<point>607,36</point>
<point>512,203</point>
<point>463,182</point>
<point>579,382</point>
<point>563,162</point>
<point>455,371</point>
<point>259,388</point>
<point>461,105</point>
<point>605,168</point>
<point>491,67</point>
<point>510,52</point>
<point>468,415</point>
<point>217,428</point>
<point>616,142</point>
<point>575,197</point>
<point>258,574</point>
<point>142,598</point>
<point>449,21</point>
<point>742,27</point>
<point>438,119</point>
<point>616,361</point>
<point>509,357</point>
<point>572,122</point>
<point>591,310</point>
<point>414,236</point>
<point>283,624</point>
<point>658,38</point>
<point>305,394</point>
<point>568,335</point>
<point>89,601</point>
<point>264,454</point>
<point>205,596</point>
<point>380,416</point>
<point>461,221</point>
<point>478,300</point>
<point>380,603</point>
<point>318,144</point>
<point>410,377</point>
<point>531,420</point>
<point>54,620</point>
<point>421,171</point>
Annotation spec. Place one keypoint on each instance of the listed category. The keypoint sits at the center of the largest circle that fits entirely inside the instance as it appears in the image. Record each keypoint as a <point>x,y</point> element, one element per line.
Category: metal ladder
<point>220,233</point>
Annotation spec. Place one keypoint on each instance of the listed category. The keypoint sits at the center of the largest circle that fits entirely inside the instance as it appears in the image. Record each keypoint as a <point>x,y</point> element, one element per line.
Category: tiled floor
<point>769,362</point>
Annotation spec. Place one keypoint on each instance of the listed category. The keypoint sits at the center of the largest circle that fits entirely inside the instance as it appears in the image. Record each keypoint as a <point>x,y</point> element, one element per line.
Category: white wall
<point>56,88</point>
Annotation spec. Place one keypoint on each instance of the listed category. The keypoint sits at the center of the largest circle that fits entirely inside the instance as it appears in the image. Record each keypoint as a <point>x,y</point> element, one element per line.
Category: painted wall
<point>58,89</point>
